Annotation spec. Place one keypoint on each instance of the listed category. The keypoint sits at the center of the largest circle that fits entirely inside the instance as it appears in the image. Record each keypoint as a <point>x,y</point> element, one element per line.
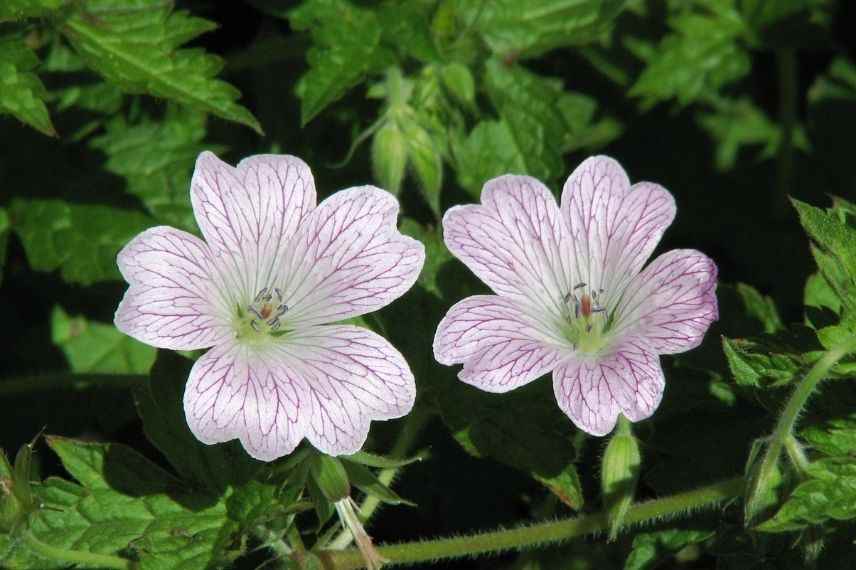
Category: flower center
<point>263,316</point>
<point>586,320</point>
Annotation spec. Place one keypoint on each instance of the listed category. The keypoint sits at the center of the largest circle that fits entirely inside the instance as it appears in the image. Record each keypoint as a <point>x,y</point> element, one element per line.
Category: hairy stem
<point>758,483</point>
<point>76,557</point>
<point>537,534</point>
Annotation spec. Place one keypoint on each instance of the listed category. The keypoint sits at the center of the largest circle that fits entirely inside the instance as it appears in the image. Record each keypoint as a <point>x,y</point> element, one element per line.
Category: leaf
<point>405,25</point>
<point>20,9</point>
<point>774,360</point>
<point>829,494</point>
<point>126,505</point>
<point>458,80</point>
<point>346,48</point>
<point>389,156</point>
<point>835,437</point>
<point>529,29</point>
<point>761,307</point>
<point>436,253</point>
<point>160,405</point>
<point>565,485</point>
<point>95,347</point>
<point>489,151</point>
<point>366,481</point>
<point>425,160</point>
<point>738,123</point>
<point>381,462</point>
<point>80,240</point>
<point>701,54</point>
<point>23,94</point>
<point>156,158</point>
<point>136,45</point>
<point>652,548</point>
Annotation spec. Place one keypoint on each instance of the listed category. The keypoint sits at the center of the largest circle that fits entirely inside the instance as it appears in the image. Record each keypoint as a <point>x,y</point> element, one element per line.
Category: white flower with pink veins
<point>572,297</point>
<point>273,271</point>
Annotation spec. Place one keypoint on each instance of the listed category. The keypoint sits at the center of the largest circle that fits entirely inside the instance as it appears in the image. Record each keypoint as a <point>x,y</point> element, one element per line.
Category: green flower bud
<point>330,476</point>
<point>619,475</point>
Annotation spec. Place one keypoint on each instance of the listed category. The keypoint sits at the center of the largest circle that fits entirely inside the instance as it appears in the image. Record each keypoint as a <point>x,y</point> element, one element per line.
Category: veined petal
<point>672,302</point>
<point>615,227</point>
<point>500,346</point>
<point>248,213</point>
<point>352,376</point>
<point>251,393</point>
<point>172,301</point>
<point>592,392</point>
<point>515,241</point>
<point>348,259</point>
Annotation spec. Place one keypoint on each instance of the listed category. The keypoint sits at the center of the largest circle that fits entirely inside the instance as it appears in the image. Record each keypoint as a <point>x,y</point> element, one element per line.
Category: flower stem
<point>76,557</point>
<point>540,533</point>
<point>758,483</point>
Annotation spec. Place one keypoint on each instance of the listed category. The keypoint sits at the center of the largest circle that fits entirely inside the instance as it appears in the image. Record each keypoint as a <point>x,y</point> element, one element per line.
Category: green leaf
<point>774,360</point>
<point>136,45</point>
<point>346,49</point>
<point>700,55</point>
<point>23,93</point>
<point>160,405</point>
<point>127,506</point>
<point>80,240</point>
<point>489,151</point>
<point>379,461</point>
<point>156,158</point>
<point>426,161</point>
<point>458,80</point>
<point>95,347</point>
<point>760,307</point>
<point>20,9</point>
<point>738,123</point>
<point>829,494</point>
<point>529,29</point>
<point>331,477</point>
<point>366,481</point>
<point>565,485</point>
<point>834,437</point>
<point>406,27</point>
<point>389,156</point>
<point>650,549</point>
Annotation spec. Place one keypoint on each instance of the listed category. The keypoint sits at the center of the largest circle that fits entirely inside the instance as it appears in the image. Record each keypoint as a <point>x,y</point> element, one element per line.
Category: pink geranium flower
<point>273,271</point>
<point>572,296</point>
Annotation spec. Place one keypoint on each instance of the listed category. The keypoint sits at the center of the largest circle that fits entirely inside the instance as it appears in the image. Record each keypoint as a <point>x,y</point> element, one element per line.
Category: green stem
<point>541,533</point>
<point>68,381</point>
<point>786,63</point>
<point>77,557</point>
<point>759,482</point>
<point>404,442</point>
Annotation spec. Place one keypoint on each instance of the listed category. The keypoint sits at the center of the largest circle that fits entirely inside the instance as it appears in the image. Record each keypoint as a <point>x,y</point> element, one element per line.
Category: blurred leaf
<point>489,151</point>
<point>459,82</point>
<point>651,549</point>
<point>23,93</point>
<point>829,493</point>
<point>95,347</point>
<point>426,161</point>
<point>79,87</point>
<point>136,46</point>
<point>346,48</point>
<point>514,29</point>
<point>160,405</point>
<point>565,485</point>
<point>126,505</point>
<point>405,25</point>
<point>834,437</point>
<point>738,123</point>
<point>760,307</point>
<point>20,9</point>
<point>156,158</point>
<point>436,253</point>
<point>700,55</point>
<point>389,156</point>
<point>80,240</point>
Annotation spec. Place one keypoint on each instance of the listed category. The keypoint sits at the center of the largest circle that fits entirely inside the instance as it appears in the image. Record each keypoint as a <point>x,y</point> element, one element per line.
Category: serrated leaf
<point>829,494</point>
<point>701,54</point>
<point>650,549</point>
<point>127,506</point>
<point>80,240</point>
<point>136,45</point>
<point>529,29</point>
<point>773,360</point>
<point>156,158</point>
<point>23,93</point>
<point>96,347</point>
<point>760,307</point>
<point>160,405</point>
<point>11,10</point>
<point>406,27</point>
<point>835,437</point>
<point>346,48</point>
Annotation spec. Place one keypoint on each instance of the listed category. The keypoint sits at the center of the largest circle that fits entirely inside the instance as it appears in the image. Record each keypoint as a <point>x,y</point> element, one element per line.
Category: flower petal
<point>348,259</point>
<point>592,392</point>
<point>500,346</point>
<point>515,241</point>
<point>249,393</point>
<point>172,302</point>
<point>353,376</point>
<point>248,213</point>
<point>672,302</point>
<point>615,227</point>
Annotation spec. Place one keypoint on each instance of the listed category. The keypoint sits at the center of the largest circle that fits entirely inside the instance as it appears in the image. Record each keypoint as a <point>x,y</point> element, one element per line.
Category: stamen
<point>266,315</point>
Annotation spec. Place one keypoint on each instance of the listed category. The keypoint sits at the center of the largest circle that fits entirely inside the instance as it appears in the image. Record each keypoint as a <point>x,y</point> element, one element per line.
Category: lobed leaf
<point>23,94</point>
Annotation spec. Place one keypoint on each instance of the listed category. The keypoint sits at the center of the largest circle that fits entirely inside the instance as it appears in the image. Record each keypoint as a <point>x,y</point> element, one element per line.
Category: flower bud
<point>619,474</point>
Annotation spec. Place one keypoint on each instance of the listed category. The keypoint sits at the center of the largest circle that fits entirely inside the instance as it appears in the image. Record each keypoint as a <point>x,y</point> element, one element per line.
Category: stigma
<point>585,318</point>
<point>266,310</point>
